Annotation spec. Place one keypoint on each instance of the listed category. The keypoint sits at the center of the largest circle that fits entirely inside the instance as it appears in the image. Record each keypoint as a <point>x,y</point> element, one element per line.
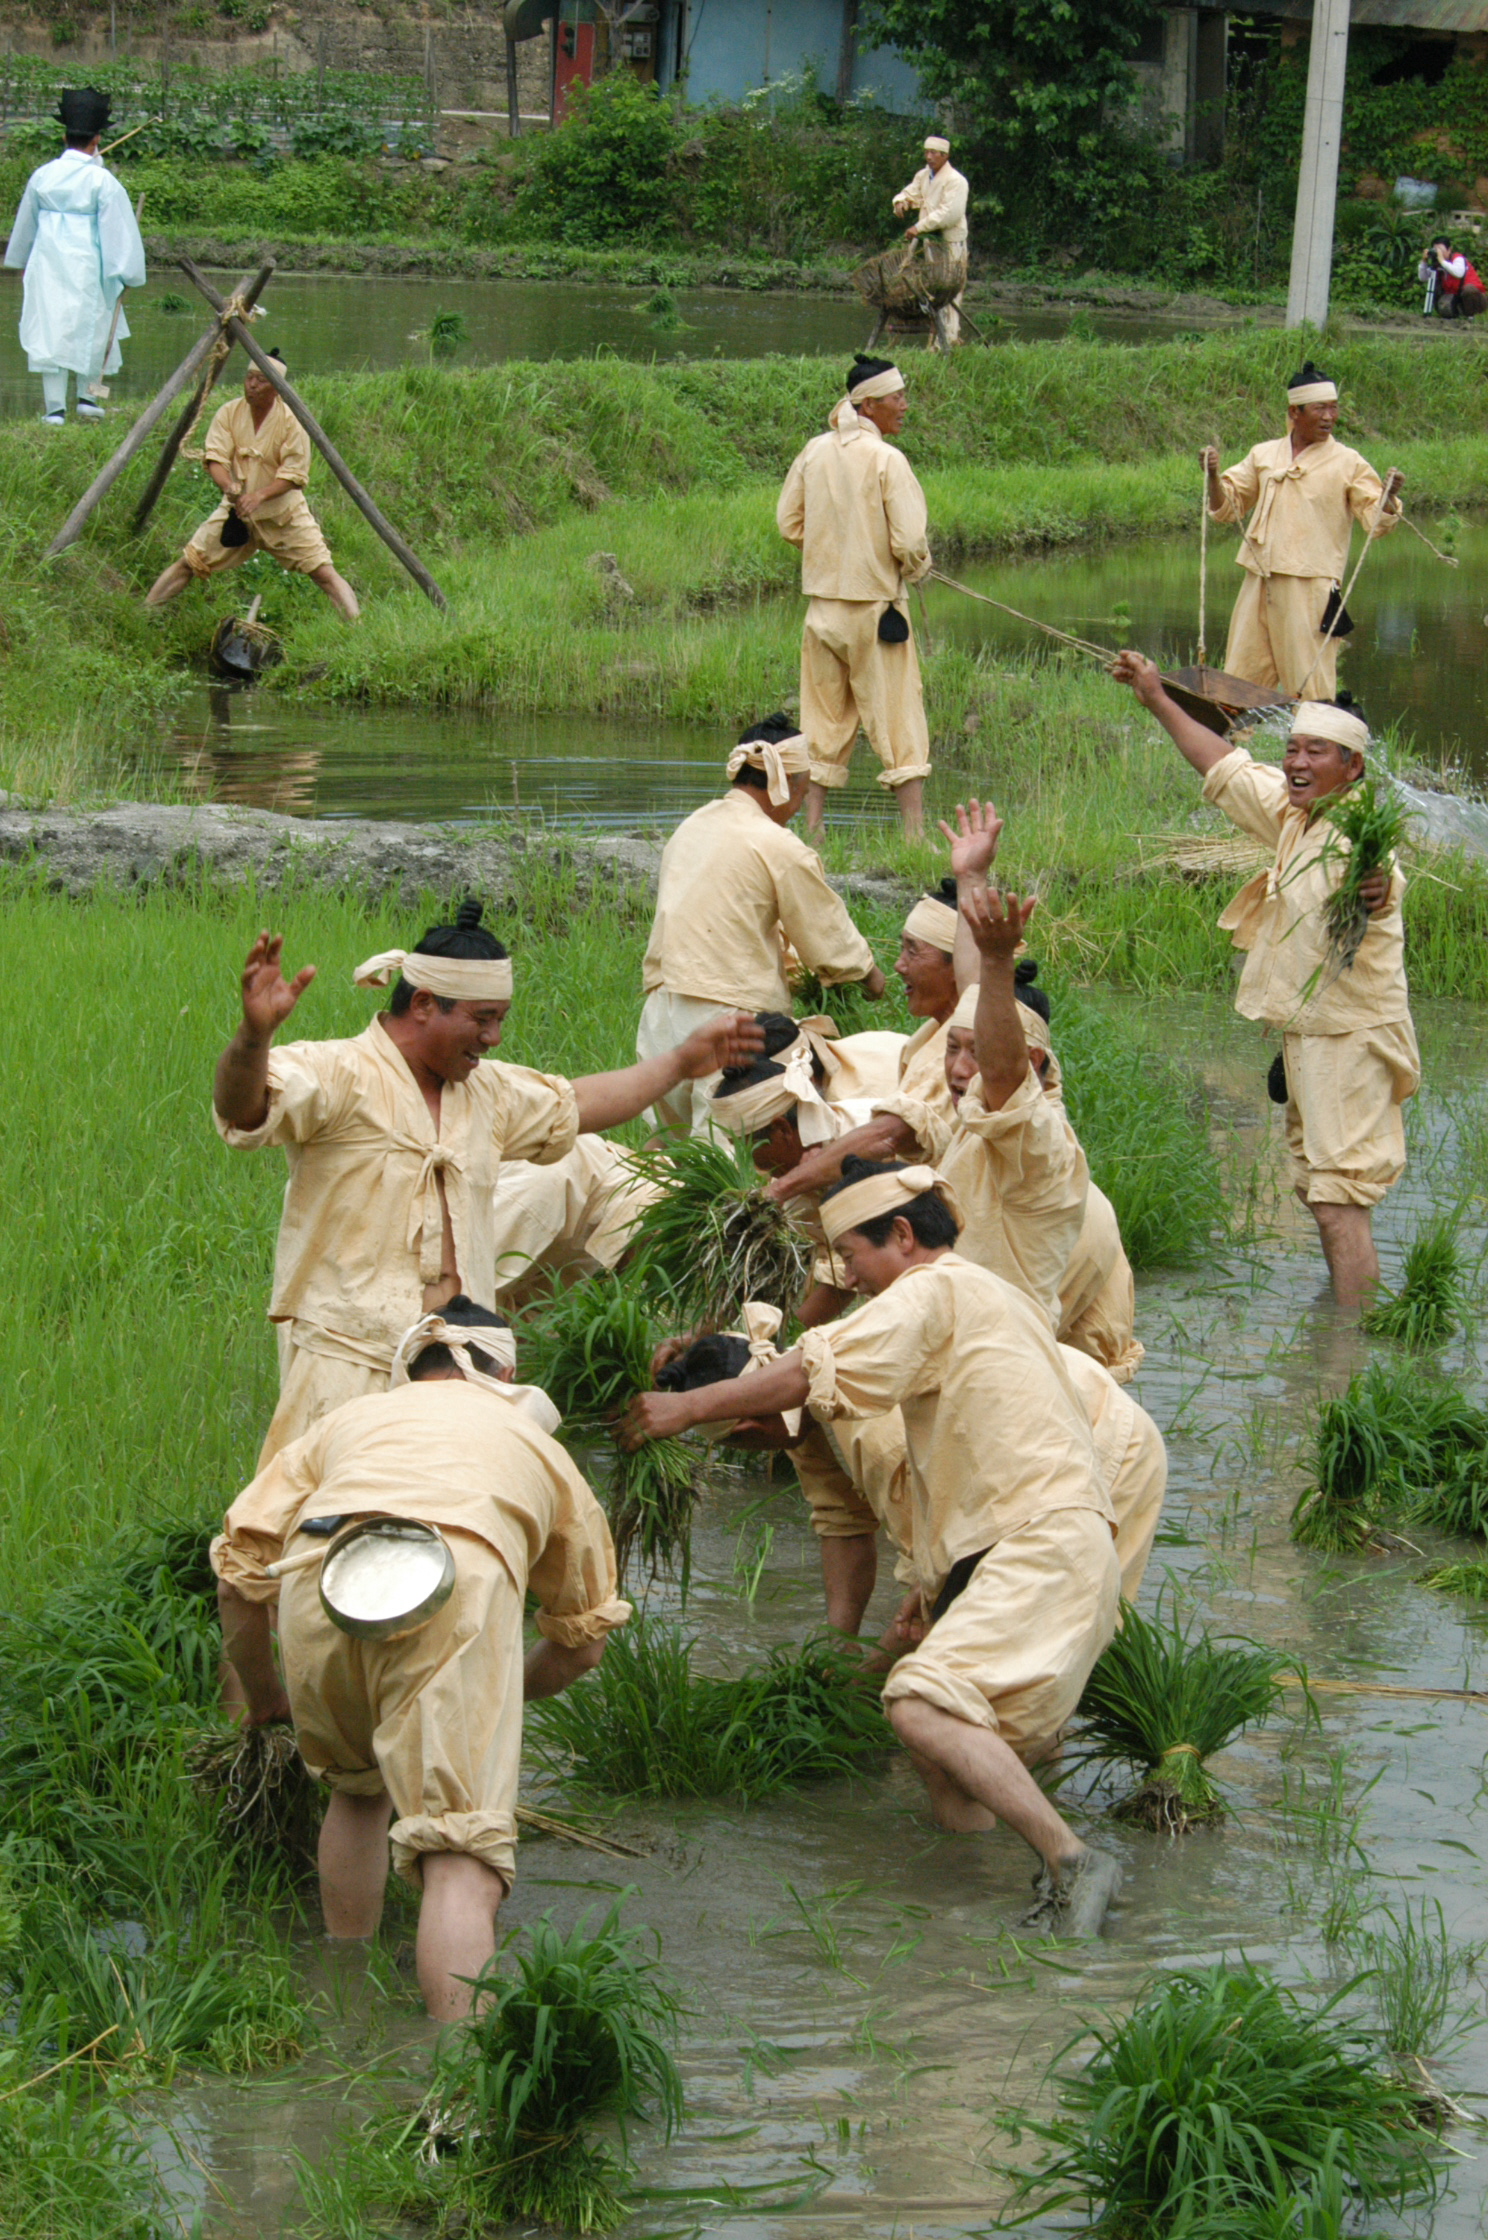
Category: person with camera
<point>1454,290</point>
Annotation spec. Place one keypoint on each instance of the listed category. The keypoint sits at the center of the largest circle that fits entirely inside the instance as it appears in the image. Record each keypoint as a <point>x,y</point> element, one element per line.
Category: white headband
<point>792,1090</point>
<point>462,979</point>
<point>761,1326</point>
<point>495,1343</point>
<point>780,759</point>
<point>1319,719</point>
<point>1314,392</point>
<point>884,1193</point>
<point>877,385</point>
<point>934,922</point>
<point>942,147</point>
<point>1035,1026</point>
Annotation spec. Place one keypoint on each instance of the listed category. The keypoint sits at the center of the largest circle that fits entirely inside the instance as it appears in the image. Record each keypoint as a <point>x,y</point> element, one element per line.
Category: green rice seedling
<point>1431,1301</point>
<point>1215,2104</point>
<point>1162,1702</point>
<point>715,1239</point>
<point>1468,1578</point>
<point>583,2031</point>
<point>644,1724</point>
<point>1395,1444</point>
<point>1415,1973</point>
<point>590,1348</point>
<point>1373,819</point>
<point>265,1795</point>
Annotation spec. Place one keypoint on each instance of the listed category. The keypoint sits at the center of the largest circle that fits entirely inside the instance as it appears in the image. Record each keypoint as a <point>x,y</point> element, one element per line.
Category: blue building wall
<point>736,46</point>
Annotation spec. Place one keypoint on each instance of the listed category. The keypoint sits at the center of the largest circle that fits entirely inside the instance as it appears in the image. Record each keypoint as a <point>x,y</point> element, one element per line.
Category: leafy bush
<point>602,176</point>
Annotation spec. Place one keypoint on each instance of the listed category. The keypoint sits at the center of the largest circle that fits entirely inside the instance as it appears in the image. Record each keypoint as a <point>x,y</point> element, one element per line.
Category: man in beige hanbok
<point>1303,492</point>
<point>1012,1534</point>
<point>1348,1047</point>
<point>736,892</point>
<point>853,506</point>
<point>939,193</point>
<point>259,457</point>
<point>418,1737</point>
<point>395,1140</point>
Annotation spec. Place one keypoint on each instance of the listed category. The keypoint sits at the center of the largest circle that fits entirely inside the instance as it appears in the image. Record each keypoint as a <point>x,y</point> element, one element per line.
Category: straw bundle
<point>911,275</point>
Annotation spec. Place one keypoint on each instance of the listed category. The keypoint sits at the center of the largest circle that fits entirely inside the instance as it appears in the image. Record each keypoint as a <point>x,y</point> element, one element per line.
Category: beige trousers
<point>1013,1653</point>
<point>1137,1493</point>
<point>850,680</point>
<point>295,542</point>
<point>311,1384</point>
<point>575,1216</point>
<point>1276,635</point>
<point>853,1487</point>
<point>667,1020</point>
<point>434,1719</point>
<point>1345,1129</point>
<point>1097,1296</point>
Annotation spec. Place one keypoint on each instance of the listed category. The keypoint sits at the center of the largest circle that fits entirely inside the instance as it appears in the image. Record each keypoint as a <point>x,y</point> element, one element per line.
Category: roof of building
<point>1401,15</point>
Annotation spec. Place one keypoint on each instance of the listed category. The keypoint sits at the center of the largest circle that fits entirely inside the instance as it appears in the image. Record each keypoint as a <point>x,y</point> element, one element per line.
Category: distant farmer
<point>259,457</point>
<point>419,1737</point>
<point>1348,1058</point>
<point>938,192</point>
<point>1307,491</point>
<point>737,889</point>
<point>1012,1528</point>
<point>395,1138</point>
<point>853,505</point>
<point>75,234</point>
<point>1459,290</point>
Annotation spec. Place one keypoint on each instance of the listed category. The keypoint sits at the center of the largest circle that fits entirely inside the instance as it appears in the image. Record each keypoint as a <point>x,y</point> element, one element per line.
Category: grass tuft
<point>1225,2105</point>
<point>645,1725</point>
<point>589,1346</point>
<point>715,1239</point>
<point>1396,1444</point>
<point>1162,1702</point>
<point>1468,1578</point>
<point>1431,1301</point>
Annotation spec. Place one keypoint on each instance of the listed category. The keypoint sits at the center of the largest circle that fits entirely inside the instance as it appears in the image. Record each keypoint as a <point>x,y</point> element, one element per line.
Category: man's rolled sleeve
<point>931,1130</point>
<point>1251,794</point>
<point>539,1117</point>
<point>294,455</point>
<point>1241,486</point>
<point>574,1578</point>
<point>874,1357</point>
<point>817,924</point>
<point>301,1102</point>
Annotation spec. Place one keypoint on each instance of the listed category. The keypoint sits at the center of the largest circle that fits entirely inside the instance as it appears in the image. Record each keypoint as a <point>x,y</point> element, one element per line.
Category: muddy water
<point>344,325</point>
<point>873,2057</point>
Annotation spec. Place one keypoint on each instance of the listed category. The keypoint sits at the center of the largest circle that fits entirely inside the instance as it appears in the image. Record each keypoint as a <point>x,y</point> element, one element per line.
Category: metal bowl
<point>386,1578</point>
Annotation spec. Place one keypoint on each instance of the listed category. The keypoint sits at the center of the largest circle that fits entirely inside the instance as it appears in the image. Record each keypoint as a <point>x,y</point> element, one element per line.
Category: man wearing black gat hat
<point>76,237</point>
<point>1307,491</point>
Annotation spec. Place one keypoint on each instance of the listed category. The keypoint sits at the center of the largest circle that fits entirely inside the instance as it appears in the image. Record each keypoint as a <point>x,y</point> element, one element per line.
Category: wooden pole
<point>313,429</point>
<point>138,436</point>
<point>250,291</point>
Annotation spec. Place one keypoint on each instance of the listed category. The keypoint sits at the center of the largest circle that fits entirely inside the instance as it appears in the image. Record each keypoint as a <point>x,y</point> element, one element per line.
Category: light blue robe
<point>76,236</point>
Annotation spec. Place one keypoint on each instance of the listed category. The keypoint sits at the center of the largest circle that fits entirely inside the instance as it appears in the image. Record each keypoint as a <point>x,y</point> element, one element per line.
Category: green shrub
<point>602,175</point>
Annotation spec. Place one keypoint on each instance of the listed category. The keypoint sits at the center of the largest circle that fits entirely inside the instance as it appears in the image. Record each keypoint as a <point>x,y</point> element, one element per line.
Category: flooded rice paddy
<point>327,323</point>
<point>862,2012</point>
<point>1415,659</point>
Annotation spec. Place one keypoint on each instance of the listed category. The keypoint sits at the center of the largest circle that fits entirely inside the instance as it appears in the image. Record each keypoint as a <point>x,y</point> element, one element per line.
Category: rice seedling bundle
<point>1468,1578</point>
<point>590,1348</point>
<point>715,1239</point>
<point>1222,2100</point>
<point>1395,1443</point>
<point>1429,1305</point>
<point>1372,818</point>
<point>583,2030</point>
<point>263,1789</point>
<point>645,1725</point>
<point>1161,1701</point>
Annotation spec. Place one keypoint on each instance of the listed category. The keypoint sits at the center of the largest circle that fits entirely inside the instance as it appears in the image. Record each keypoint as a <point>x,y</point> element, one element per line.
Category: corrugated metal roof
<point>1399,15</point>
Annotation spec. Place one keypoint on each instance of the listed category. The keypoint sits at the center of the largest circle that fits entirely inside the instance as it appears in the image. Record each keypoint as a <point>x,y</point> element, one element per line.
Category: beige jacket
<point>279,451</point>
<point>922,1067</point>
<point>1305,507</point>
<point>362,1231</point>
<point>449,1454</point>
<point>1287,980</point>
<point>734,886</point>
<point>994,1425</point>
<point>858,514</point>
<point>941,198</point>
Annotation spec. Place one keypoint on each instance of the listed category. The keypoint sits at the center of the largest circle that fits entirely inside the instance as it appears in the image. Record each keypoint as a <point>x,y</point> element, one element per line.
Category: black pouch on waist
<point>233,531</point>
<point>1336,617</point>
<point>1276,1080</point>
<point>322,1528</point>
<point>893,628</point>
<point>958,1579</point>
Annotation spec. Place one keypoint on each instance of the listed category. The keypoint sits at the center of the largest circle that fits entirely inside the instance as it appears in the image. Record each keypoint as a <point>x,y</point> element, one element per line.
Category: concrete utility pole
<point>1317,181</point>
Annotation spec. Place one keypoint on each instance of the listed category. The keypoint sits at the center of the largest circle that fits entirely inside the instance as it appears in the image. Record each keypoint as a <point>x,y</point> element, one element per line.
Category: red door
<point>575,61</point>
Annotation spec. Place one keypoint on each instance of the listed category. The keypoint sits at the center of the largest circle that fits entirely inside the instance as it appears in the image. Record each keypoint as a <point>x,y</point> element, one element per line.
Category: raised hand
<point>1209,458</point>
<point>974,841</point>
<point>268,998</point>
<point>996,920</point>
<point>1144,676</point>
<point>732,1039</point>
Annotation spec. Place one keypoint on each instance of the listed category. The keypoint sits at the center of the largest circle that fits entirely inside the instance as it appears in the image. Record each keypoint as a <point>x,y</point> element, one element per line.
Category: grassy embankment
<point>510,480</point>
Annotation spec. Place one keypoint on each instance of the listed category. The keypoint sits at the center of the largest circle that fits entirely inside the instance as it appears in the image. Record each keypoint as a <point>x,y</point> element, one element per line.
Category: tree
<point>1033,82</point>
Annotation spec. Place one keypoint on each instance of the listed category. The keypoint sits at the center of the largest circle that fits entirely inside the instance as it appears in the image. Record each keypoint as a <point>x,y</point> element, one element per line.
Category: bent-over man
<point>1303,492</point>
<point>1012,1532</point>
<point>418,1738</point>
<point>737,888</point>
<point>852,504</point>
<point>395,1139</point>
<point>259,457</point>
<point>1348,1047</point>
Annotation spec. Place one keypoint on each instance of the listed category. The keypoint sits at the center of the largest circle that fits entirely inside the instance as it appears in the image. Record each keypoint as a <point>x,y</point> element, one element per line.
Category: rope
<point>1102,654</point>
<point>1347,593</point>
<point>1378,1688</point>
<point>1430,547</point>
<point>1202,656</point>
<point>235,308</point>
<point>1182,1750</point>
